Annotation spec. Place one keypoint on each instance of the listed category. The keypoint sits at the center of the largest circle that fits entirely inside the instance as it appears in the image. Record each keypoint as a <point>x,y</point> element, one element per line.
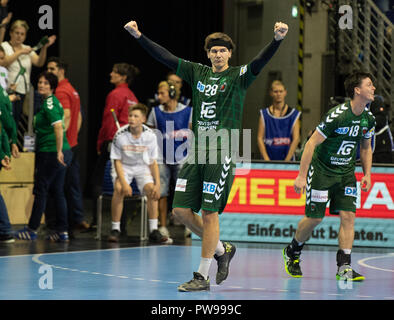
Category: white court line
<point>362,262</point>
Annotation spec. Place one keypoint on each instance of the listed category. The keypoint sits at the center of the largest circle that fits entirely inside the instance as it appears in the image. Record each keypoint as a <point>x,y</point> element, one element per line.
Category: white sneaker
<point>164,231</point>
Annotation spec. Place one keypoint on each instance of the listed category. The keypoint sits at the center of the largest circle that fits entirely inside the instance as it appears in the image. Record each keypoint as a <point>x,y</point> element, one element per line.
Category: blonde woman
<point>19,60</point>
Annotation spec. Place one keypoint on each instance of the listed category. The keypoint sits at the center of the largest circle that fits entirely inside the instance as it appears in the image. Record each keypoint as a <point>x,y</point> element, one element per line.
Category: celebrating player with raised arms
<point>218,96</point>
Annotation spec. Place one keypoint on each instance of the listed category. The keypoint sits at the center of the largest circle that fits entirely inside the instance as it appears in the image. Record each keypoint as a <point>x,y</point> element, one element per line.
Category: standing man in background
<point>69,98</point>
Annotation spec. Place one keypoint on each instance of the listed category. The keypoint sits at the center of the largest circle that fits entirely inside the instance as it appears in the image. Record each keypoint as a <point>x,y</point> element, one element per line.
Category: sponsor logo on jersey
<point>278,141</point>
<point>208,110</point>
<point>342,130</point>
<point>319,195</point>
<point>351,192</point>
<point>346,147</point>
<point>369,133</point>
<point>223,87</point>
<point>200,86</point>
<point>209,187</point>
<point>181,185</point>
<point>243,70</point>
<point>356,121</point>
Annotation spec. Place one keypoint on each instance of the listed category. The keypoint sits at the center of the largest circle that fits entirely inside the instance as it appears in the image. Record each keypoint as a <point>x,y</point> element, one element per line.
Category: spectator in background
<point>19,60</point>
<point>119,99</point>
<point>178,83</point>
<point>134,151</point>
<point>69,98</point>
<point>279,128</point>
<point>6,110</point>
<point>7,130</point>
<point>173,119</point>
<point>53,154</point>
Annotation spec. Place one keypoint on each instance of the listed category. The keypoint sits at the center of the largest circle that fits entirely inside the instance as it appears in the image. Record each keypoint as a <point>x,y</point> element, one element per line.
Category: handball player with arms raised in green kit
<point>218,93</point>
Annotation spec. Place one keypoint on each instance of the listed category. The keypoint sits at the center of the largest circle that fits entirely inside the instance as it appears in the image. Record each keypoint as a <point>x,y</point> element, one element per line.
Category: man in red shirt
<point>119,99</point>
<point>69,98</point>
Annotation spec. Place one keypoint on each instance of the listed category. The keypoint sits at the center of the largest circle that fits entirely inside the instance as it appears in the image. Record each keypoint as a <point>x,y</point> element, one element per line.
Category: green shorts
<point>340,190</point>
<point>204,186</point>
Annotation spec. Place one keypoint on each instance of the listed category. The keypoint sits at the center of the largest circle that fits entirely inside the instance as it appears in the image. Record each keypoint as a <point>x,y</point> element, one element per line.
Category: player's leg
<point>317,196</point>
<point>218,179</point>
<point>116,211</point>
<point>164,190</point>
<point>187,198</point>
<point>344,203</point>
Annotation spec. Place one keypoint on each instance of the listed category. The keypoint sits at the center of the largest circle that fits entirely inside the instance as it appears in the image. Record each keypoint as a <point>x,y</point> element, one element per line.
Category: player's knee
<point>181,213</point>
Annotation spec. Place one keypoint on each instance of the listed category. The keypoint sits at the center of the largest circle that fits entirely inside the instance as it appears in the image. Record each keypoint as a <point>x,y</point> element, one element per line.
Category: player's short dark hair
<point>51,78</point>
<point>354,80</point>
<point>218,36</point>
<point>125,69</point>
<point>139,106</point>
<point>61,64</point>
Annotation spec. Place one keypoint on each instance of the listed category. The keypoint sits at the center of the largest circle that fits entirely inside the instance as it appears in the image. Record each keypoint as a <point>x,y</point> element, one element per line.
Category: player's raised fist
<point>132,28</point>
<point>280,30</point>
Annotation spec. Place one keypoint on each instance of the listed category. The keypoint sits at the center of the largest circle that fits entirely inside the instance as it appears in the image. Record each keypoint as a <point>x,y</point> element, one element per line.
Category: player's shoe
<point>114,236</point>
<point>346,273</point>
<point>25,234</point>
<point>292,264</point>
<point>198,283</point>
<point>224,262</point>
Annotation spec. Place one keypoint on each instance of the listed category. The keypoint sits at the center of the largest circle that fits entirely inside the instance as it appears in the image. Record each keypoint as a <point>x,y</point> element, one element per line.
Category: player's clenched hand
<point>280,30</point>
<point>299,184</point>
<point>365,183</point>
<point>132,28</point>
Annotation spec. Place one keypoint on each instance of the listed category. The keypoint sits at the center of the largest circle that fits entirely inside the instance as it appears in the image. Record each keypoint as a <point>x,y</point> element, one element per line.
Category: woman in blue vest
<point>279,127</point>
<point>173,120</point>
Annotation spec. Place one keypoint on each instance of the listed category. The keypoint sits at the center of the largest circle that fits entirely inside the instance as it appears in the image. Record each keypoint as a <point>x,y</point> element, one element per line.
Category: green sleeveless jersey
<point>51,111</point>
<point>343,131</point>
<point>217,98</point>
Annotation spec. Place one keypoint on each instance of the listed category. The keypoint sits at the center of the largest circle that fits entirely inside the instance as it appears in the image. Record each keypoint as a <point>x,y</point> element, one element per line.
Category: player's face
<point>136,119</point>
<point>163,96</point>
<point>366,89</point>
<point>278,94</point>
<point>219,57</point>
<point>44,87</point>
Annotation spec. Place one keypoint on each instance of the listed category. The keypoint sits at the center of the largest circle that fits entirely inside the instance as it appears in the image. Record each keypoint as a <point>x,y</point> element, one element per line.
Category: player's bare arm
<point>366,163</point>
<point>313,142</point>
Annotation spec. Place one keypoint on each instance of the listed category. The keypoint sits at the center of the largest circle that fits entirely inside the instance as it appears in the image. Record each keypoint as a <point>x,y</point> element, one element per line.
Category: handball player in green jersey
<point>327,173</point>
<point>218,95</point>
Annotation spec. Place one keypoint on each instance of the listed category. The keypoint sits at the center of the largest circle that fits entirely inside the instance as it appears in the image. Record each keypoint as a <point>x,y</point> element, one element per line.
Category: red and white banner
<point>262,191</point>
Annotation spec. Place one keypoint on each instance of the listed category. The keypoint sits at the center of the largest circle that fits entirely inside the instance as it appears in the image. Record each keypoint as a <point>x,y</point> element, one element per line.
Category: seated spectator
<point>53,154</point>
<point>279,128</point>
<point>134,152</point>
<point>173,119</point>
<point>119,99</point>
